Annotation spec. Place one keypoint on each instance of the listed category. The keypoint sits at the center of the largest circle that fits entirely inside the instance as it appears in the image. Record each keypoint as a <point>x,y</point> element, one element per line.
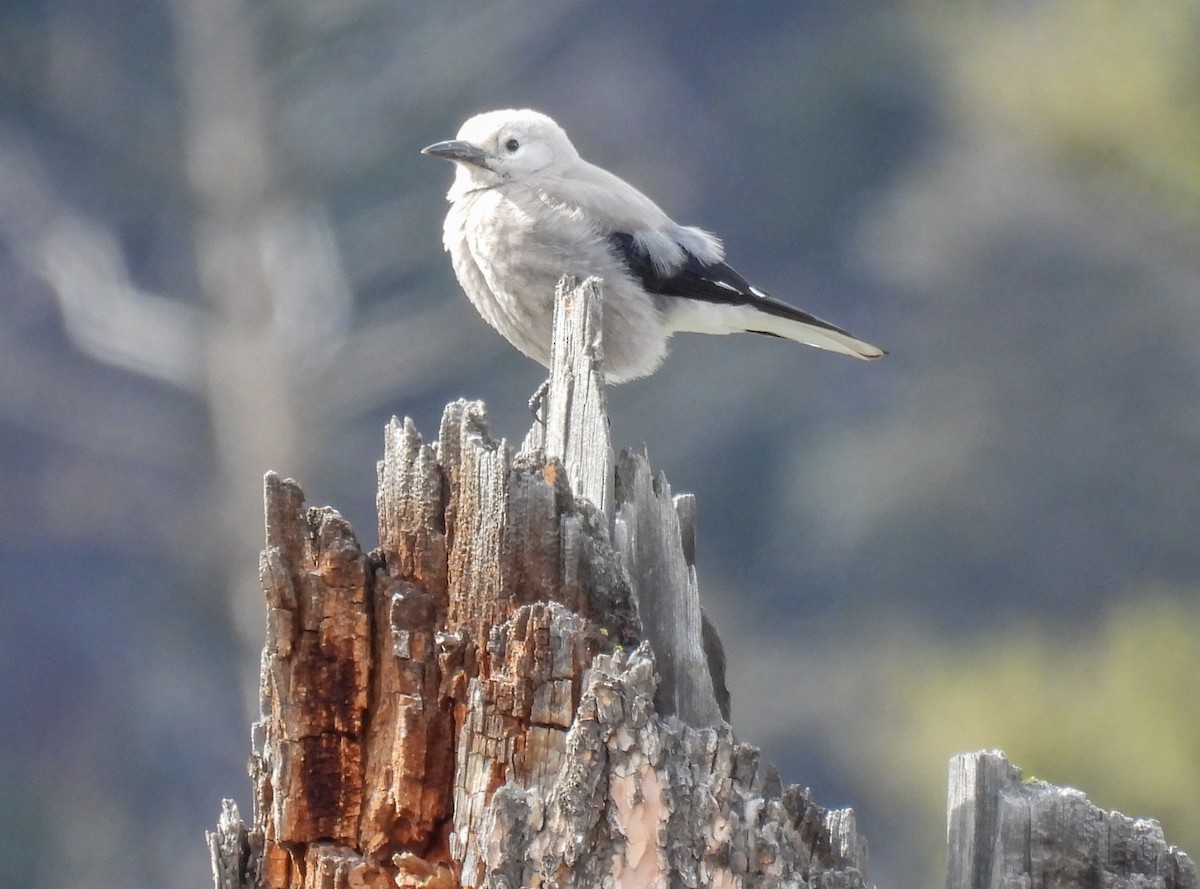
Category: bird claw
<point>537,401</point>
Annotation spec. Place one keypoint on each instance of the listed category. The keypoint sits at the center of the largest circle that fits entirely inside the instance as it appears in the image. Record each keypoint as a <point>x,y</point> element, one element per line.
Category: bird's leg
<point>537,401</point>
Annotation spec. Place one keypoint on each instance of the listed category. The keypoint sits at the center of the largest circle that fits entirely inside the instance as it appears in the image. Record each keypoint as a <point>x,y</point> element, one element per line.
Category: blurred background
<point>220,254</point>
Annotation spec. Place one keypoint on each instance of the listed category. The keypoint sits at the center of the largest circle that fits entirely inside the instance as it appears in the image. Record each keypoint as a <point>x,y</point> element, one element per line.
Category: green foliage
<point>1111,710</point>
<point>1105,81</point>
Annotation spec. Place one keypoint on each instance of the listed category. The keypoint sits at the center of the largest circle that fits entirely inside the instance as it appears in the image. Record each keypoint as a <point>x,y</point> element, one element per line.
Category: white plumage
<point>527,209</point>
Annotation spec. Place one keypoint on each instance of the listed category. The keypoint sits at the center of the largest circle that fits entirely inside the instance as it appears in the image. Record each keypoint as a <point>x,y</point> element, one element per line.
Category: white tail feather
<point>692,316</point>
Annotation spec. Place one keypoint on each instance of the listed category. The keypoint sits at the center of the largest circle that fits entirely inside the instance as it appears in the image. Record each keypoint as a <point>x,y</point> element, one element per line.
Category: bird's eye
<point>512,145</point>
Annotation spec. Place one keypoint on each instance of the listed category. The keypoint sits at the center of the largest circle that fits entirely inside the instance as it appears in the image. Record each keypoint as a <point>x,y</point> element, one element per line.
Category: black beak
<point>457,150</point>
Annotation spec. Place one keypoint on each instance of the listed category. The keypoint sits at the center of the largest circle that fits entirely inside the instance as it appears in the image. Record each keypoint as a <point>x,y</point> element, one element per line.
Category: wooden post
<point>1004,832</point>
<point>517,687</point>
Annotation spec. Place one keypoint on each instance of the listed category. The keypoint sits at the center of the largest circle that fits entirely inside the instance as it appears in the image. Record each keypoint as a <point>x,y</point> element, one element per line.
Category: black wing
<point>708,282</point>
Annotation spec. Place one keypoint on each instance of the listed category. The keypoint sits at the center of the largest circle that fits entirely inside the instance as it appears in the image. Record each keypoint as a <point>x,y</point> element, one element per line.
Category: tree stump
<point>518,689</point>
<point>1004,832</point>
<point>514,689</point>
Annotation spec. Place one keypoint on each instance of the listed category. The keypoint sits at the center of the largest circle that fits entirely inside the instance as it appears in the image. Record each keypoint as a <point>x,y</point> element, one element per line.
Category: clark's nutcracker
<point>526,209</point>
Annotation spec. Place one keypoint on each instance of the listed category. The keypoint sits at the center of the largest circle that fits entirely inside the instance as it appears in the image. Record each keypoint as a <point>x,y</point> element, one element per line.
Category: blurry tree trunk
<point>518,689</point>
<point>243,213</point>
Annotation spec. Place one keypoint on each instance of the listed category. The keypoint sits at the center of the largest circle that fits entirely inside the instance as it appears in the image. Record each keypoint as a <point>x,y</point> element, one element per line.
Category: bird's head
<point>505,146</point>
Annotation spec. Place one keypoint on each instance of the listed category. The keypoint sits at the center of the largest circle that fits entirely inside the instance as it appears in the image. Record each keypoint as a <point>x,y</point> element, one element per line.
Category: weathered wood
<point>234,858</point>
<point>576,431</point>
<point>511,727</point>
<point>654,534</point>
<point>518,687</point>
<point>1004,832</point>
<point>408,761</point>
<point>630,796</point>
<point>647,532</point>
<point>315,670</point>
<point>469,705</point>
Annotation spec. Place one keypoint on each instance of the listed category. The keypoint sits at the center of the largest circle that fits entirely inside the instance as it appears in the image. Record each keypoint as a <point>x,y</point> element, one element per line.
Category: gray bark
<point>515,688</point>
<point>1004,832</point>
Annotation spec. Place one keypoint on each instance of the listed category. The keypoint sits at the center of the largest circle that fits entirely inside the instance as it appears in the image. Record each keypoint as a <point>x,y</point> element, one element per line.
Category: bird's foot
<point>537,401</point>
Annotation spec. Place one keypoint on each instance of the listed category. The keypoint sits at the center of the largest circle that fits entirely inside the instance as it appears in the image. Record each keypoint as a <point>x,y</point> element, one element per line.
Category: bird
<point>527,209</point>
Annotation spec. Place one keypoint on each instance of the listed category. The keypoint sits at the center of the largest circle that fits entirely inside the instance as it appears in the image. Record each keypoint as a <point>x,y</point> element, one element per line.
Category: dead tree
<point>518,688</point>
<point>1005,832</point>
